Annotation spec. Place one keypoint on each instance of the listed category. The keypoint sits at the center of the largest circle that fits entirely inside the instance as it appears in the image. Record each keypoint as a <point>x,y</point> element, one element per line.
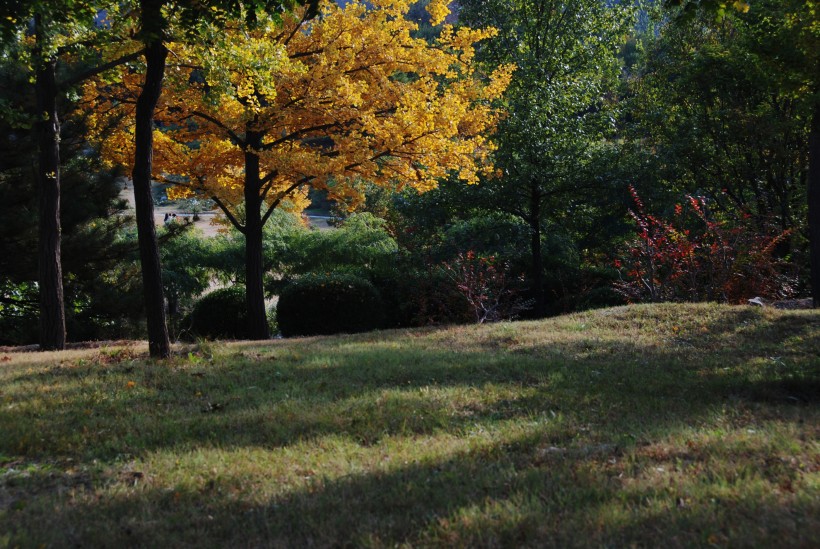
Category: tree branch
<point>282,196</point>
<point>94,71</point>
<point>298,133</point>
<point>268,179</point>
<point>231,218</point>
<point>305,17</point>
<point>267,183</point>
<point>233,135</point>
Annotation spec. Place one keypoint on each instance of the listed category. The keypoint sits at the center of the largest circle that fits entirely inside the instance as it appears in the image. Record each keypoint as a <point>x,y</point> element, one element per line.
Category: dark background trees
<point>54,39</point>
<point>92,221</point>
<point>721,107</point>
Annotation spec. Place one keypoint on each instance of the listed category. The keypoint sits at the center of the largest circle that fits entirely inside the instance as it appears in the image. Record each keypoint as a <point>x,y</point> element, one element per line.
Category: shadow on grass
<point>507,495</point>
<point>590,403</point>
<point>371,386</point>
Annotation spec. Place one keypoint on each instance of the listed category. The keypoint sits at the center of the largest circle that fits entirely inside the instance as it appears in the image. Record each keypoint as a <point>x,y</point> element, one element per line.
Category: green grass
<point>665,425</point>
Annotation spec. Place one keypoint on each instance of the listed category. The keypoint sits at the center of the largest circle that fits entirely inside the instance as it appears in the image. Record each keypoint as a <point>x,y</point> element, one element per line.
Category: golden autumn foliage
<point>347,96</point>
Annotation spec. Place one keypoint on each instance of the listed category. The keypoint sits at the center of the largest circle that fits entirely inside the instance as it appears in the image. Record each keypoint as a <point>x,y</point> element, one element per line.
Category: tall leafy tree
<point>155,32</point>
<point>559,102</point>
<point>49,34</point>
<point>265,111</point>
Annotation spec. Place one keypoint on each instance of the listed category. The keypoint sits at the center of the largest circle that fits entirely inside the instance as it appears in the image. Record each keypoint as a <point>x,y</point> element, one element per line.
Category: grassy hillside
<point>670,425</point>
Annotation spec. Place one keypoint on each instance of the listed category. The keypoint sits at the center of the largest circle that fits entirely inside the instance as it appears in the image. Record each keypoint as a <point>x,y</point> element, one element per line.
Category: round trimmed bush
<point>321,304</point>
<point>221,314</point>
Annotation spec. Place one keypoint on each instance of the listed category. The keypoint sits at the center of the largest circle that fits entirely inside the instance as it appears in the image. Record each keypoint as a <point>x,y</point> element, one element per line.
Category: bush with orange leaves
<point>695,257</point>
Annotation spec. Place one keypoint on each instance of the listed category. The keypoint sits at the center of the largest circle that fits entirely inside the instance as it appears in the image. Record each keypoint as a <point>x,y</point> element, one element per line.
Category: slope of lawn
<point>662,425</point>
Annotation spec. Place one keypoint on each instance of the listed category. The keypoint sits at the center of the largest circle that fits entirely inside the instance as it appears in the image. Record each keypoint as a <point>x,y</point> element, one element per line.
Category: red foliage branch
<point>712,261</point>
<point>487,286</point>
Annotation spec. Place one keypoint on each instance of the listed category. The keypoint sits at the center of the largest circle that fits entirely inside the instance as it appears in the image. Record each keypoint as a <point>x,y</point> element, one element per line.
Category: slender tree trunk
<point>535,250</point>
<point>814,203</point>
<point>50,273</point>
<point>254,291</point>
<point>155,54</point>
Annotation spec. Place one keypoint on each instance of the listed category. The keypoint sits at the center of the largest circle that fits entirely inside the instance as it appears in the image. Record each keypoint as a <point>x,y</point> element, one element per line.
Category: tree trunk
<point>50,273</point>
<point>254,291</point>
<point>155,54</point>
<point>535,250</point>
<point>814,203</point>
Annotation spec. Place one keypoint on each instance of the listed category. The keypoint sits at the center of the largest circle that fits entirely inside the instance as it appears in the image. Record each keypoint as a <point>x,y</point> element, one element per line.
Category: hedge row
<point>322,304</point>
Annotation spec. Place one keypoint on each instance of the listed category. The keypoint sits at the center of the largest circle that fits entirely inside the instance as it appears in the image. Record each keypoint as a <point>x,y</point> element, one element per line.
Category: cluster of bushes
<point>363,275</point>
<point>350,279</point>
<point>422,263</point>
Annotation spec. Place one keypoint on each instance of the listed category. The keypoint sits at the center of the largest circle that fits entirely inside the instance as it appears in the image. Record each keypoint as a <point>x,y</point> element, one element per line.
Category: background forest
<point>642,152</point>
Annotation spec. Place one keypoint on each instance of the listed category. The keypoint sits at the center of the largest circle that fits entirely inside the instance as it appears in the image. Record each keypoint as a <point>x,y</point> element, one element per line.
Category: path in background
<point>204,222</point>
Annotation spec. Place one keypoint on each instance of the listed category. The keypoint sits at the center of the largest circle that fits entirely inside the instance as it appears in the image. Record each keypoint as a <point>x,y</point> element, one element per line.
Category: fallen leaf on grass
<point>213,407</point>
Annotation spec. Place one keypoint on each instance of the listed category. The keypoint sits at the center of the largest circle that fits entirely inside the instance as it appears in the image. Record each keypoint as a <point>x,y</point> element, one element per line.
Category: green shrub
<point>329,304</point>
<point>221,314</point>
<point>504,237</point>
<point>361,244</point>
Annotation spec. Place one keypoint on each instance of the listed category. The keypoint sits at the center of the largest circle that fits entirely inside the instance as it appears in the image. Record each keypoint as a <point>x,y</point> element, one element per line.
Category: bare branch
<point>235,222</point>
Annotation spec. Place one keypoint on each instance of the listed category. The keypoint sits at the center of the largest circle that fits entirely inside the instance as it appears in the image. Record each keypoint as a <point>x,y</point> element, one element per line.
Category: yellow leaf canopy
<point>349,95</point>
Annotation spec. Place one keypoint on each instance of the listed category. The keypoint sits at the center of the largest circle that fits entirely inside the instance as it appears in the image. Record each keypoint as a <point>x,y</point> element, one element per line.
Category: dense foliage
<point>329,304</point>
<point>221,314</point>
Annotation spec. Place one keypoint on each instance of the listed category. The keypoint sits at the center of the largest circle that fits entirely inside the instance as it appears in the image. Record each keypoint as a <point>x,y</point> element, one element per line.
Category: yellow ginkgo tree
<point>257,113</point>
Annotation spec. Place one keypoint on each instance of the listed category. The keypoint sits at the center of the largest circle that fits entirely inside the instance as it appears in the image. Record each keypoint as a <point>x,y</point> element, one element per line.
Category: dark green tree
<point>93,225</point>
<point>61,29</point>
<point>560,105</point>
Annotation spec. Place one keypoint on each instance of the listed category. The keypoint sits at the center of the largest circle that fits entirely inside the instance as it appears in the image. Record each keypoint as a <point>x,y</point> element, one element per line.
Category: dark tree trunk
<point>254,291</point>
<point>535,251</point>
<point>50,273</point>
<point>814,203</point>
<point>155,54</point>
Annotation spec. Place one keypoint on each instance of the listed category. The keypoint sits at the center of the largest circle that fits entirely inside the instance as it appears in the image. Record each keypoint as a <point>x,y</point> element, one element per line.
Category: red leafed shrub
<point>486,284</point>
<point>697,258</point>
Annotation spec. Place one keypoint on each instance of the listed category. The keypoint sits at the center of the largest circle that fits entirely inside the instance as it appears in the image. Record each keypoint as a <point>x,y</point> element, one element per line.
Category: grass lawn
<point>663,425</point>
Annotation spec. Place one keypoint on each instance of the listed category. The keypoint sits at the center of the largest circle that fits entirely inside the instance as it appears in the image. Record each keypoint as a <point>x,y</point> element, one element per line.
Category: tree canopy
<point>348,96</point>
